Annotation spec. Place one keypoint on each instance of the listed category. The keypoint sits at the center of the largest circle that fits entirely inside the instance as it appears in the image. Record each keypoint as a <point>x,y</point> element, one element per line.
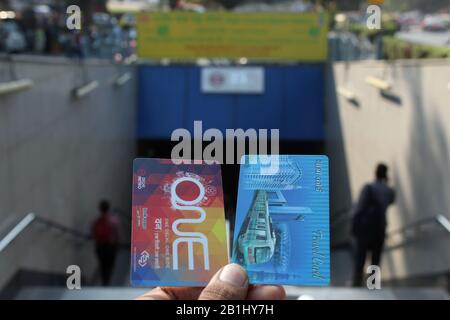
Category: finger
<point>229,283</point>
<point>172,293</point>
<point>266,292</point>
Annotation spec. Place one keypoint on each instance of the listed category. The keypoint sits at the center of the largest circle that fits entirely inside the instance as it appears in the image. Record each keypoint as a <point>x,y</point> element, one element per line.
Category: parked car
<point>434,23</point>
<point>409,19</point>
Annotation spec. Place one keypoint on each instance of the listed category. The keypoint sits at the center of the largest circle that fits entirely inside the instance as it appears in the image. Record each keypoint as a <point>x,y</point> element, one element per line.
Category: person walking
<point>106,235</point>
<point>369,222</point>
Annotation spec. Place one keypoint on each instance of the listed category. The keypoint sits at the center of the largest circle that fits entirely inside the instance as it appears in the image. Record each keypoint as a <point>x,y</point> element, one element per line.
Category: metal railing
<point>411,231</point>
<point>408,233</point>
<point>32,218</point>
<point>341,216</point>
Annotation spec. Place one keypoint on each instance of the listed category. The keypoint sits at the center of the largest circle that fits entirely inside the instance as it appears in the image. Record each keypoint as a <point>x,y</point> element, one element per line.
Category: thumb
<point>229,283</point>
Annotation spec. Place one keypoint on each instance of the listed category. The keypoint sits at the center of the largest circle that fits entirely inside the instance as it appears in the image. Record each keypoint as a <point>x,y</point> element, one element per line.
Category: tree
<point>345,4</point>
<point>230,4</point>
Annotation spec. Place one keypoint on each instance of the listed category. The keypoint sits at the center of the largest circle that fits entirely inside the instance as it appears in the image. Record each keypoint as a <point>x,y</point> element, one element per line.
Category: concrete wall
<point>59,156</point>
<point>408,129</point>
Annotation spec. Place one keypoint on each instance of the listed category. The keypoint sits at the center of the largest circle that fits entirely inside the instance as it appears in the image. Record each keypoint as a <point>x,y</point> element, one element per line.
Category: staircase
<point>338,291</point>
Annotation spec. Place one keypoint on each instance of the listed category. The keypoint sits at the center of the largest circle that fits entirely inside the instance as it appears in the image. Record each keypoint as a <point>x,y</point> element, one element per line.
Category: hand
<point>229,283</point>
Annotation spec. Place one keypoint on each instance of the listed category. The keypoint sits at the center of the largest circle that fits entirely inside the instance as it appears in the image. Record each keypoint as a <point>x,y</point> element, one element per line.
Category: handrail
<point>412,226</point>
<point>28,220</point>
<point>417,226</point>
<point>341,215</point>
<point>439,219</point>
<point>75,233</point>
<point>444,222</point>
<point>25,222</point>
<point>32,217</point>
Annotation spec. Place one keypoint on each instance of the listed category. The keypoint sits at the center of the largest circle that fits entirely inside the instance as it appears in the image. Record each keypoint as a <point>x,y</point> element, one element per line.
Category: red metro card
<point>178,224</point>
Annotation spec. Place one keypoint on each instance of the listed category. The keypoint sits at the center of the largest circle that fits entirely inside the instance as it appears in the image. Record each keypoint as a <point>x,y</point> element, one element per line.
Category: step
<point>344,293</point>
<point>301,293</point>
<point>87,293</point>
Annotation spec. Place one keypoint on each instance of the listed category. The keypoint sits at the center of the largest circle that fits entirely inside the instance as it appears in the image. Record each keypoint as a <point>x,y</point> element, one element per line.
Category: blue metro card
<point>281,233</point>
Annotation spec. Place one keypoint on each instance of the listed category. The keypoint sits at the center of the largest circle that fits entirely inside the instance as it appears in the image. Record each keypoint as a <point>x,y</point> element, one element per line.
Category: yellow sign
<point>268,36</point>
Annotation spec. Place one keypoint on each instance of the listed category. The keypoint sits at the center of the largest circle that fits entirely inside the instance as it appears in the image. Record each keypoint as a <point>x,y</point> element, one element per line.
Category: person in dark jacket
<point>106,235</point>
<point>369,222</point>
